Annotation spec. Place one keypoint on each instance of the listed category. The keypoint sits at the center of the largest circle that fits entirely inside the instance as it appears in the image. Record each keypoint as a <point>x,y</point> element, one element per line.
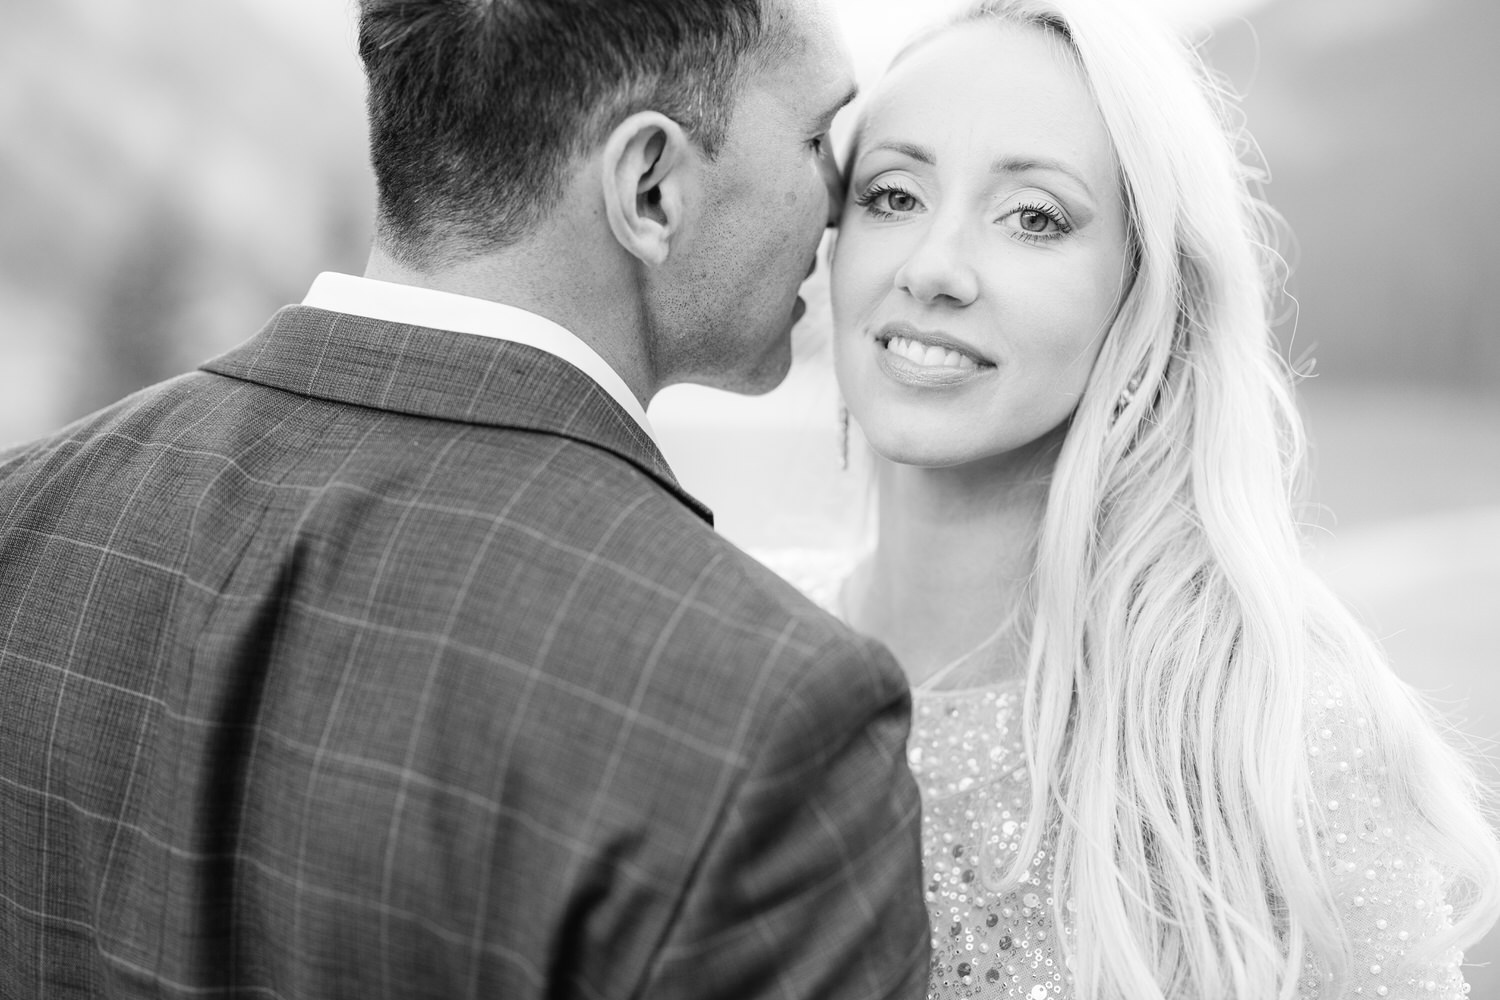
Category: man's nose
<point>833,179</point>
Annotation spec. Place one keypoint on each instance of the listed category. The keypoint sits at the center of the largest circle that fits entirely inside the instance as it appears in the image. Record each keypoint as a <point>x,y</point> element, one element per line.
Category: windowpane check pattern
<point>375,661</point>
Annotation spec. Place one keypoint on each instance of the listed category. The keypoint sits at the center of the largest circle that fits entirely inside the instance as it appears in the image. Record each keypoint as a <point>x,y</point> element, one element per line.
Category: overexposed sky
<point>875,28</point>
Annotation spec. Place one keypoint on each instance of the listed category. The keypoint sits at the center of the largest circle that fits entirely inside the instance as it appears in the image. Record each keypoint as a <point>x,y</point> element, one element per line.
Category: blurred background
<point>171,172</point>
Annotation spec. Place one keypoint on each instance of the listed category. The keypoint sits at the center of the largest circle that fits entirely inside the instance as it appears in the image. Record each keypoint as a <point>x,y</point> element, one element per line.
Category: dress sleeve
<point>1388,889</point>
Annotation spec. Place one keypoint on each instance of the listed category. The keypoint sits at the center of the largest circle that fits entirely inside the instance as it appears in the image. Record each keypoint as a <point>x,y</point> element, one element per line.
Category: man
<point>384,657</point>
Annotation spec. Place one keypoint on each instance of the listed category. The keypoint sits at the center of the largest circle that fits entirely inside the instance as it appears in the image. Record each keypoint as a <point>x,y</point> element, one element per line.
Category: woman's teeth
<point>927,355</point>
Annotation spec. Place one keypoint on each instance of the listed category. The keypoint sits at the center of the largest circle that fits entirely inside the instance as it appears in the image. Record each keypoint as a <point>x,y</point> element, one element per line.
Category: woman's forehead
<point>988,83</point>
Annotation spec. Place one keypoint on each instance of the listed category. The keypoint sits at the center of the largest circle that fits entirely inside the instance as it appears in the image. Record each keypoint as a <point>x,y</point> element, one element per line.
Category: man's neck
<point>536,278</point>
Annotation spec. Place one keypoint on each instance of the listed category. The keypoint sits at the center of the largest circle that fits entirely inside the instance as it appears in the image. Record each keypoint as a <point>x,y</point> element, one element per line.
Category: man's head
<point>477,107</point>
<point>692,130</point>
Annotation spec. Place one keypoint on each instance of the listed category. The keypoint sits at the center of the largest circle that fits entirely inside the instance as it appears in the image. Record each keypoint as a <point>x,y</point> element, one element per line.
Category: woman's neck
<point>953,555</point>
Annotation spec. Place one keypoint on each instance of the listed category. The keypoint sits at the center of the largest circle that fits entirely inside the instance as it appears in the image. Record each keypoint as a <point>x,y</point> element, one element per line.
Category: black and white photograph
<point>890,499</point>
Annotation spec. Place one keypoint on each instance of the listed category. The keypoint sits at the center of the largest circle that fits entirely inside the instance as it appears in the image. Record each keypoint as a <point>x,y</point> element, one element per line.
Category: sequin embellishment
<point>966,754</point>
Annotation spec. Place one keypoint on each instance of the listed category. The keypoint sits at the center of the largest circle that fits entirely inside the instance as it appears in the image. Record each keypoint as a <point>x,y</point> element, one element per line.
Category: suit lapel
<point>443,375</point>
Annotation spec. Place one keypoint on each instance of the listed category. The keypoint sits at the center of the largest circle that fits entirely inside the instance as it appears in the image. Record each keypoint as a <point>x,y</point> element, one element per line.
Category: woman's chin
<point>956,447</point>
<point>937,451</point>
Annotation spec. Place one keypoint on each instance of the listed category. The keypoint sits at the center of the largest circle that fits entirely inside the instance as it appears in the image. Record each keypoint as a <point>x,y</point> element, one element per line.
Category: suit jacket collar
<point>443,375</point>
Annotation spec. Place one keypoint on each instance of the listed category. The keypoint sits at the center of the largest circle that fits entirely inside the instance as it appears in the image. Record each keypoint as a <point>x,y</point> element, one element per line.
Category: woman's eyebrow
<point>917,152</point>
<point>1025,164</point>
<point>1009,165</point>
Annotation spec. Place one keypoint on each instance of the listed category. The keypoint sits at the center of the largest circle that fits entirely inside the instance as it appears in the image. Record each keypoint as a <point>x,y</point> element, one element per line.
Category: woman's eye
<point>1038,222</point>
<point>900,201</point>
<point>1034,221</point>
<point>889,201</point>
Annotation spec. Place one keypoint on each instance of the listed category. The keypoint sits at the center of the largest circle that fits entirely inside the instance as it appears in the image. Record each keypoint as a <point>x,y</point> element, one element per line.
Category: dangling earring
<point>843,437</point>
<point>1131,388</point>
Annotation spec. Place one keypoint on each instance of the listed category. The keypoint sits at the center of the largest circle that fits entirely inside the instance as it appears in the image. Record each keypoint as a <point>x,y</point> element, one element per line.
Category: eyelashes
<point>1050,214</point>
<point>1033,221</point>
<point>869,200</point>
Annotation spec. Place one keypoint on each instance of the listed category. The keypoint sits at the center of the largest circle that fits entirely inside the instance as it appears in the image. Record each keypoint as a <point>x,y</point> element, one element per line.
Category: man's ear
<point>650,178</point>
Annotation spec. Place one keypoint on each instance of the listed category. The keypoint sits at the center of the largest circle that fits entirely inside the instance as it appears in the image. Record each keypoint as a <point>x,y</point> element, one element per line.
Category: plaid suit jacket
<point>373,661</point>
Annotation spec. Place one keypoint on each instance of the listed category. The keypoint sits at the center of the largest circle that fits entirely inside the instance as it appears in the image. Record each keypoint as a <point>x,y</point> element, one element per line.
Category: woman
<point>1158,759</point>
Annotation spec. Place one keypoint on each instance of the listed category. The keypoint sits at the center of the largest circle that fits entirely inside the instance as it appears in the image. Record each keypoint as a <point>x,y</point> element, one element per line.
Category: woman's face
<point>982,248</point>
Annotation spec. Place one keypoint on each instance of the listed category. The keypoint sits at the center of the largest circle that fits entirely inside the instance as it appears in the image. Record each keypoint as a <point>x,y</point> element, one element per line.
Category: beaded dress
<point>966,754</point>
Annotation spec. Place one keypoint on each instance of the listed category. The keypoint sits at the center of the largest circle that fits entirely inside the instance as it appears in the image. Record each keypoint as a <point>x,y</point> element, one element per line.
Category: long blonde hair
<point>1177,632</point>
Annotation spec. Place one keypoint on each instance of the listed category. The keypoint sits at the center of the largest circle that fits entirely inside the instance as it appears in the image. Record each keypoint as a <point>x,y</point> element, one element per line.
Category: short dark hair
<point>478,106</point>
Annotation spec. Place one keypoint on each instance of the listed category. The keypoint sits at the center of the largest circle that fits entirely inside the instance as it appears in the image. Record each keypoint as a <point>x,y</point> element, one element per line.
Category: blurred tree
<point>170,173</point>
<point>141,306</point>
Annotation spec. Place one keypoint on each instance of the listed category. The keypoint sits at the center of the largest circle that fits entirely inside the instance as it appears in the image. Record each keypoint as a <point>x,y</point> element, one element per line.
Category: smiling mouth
<point>914,349</point>
<point>929,355</point>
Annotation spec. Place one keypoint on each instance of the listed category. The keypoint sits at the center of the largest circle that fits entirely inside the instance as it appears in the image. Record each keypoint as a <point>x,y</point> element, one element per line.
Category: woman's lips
<point>923,358</point>
<point>929,355</point>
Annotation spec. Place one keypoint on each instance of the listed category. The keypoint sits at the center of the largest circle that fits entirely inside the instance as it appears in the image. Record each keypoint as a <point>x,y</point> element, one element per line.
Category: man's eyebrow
<point>828,116</point>
<point>1023,164</point>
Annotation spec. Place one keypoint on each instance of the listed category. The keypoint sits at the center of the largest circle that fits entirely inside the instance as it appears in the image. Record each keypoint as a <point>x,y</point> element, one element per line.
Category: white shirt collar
<point>413,306</point>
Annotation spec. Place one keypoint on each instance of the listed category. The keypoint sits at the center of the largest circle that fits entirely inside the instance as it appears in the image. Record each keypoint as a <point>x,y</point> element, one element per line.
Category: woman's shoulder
<point>1357,714</point>
<point>1384,870</point>
<point>1360,801</point>
<point>1337,723</point>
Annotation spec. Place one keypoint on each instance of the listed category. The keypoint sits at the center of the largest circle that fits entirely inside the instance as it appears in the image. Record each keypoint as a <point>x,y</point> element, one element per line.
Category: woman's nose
<point>938,268</point>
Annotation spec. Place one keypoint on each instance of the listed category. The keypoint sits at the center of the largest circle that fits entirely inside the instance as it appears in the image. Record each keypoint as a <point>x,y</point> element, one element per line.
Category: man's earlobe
<point>649,173</point>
